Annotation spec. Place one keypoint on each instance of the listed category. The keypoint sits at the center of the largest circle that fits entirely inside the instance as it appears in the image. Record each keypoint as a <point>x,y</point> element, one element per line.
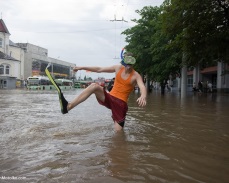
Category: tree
<point>147,41</point>
<point>195,30</point>
<point>201,28</point>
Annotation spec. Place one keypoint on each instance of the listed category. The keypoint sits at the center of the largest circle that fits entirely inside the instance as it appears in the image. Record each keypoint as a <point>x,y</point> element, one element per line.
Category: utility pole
<point>117,20</point>
<point>184,77</point>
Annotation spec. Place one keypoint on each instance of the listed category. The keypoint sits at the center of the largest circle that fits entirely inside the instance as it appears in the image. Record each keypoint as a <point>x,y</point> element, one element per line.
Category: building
<point>18,61</point>
<point>216,75</point>
<point>9,66</point>
<point>36,60</point>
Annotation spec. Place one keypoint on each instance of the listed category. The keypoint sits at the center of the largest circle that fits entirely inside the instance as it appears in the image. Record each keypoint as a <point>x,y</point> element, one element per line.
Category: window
<point>1,83</point>
<point>7,69</point>
<point>4,69</point>
<point>4,83</point>
<point>190,81</point>
<point>1,41</point>
<point>1,69</point>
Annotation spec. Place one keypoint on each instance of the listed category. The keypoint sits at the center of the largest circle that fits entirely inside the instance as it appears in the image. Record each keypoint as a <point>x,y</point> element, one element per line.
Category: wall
<point>14,67</point>
<point>33,52</point>
<point>18,53</point>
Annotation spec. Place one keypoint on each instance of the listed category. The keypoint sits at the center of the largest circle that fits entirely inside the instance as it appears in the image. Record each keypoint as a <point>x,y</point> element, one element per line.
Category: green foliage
<point>87,78</point>
<point>200,29</point>
<point>151,46</point>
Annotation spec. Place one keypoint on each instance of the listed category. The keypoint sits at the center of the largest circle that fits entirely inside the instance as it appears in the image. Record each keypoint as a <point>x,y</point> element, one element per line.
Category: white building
<point>9,66</point>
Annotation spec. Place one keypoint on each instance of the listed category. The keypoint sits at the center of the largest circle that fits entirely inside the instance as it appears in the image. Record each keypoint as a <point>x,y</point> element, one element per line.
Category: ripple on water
<point>169,140</point>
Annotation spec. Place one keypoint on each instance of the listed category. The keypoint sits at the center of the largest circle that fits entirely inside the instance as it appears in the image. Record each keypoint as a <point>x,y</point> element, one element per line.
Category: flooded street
<point>169,140</point>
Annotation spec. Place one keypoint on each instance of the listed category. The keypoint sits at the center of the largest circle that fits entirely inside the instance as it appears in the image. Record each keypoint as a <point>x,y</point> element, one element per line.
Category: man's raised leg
<point>93,88</point>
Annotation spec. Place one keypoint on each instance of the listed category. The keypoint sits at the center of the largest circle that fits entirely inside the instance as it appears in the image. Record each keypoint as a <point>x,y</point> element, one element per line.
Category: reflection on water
<point>170,140</point>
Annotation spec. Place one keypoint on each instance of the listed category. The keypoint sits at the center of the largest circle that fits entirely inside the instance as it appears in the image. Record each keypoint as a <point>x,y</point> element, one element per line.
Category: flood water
<point>169,140</point>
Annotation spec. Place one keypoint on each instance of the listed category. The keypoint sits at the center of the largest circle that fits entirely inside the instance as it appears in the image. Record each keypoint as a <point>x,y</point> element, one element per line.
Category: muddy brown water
<point>169,140</point>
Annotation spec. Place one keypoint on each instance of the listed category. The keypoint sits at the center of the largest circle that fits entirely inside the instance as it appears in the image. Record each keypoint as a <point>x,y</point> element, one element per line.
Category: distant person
<point>200,86</point>
<point>110,85</point>
<point>169,85</point>
<point>25,83</point>
<point>194,87</point>
<point>209,87</point>
<point>125,80</point>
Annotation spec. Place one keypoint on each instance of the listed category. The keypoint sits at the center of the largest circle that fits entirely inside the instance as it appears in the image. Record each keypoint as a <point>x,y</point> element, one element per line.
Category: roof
<point>6,57</point>
<point>3,27</point>
<point>13,44</point>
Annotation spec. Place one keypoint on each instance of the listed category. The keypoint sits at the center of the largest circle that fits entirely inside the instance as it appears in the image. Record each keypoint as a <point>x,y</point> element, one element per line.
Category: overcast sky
<point>76,31</point>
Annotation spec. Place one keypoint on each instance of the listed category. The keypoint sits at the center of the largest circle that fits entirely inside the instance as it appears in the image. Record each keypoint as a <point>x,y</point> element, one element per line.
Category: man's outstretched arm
<point>96,69</point>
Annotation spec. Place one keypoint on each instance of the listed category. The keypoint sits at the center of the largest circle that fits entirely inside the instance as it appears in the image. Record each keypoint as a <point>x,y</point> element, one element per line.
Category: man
<point>125,80</point>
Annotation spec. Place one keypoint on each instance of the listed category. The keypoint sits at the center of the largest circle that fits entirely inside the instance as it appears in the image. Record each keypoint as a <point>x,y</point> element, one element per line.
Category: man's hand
<point>141,101</point>
<point>75,69</point>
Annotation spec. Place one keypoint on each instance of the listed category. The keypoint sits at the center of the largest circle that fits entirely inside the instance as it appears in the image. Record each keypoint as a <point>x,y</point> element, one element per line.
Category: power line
<point>63,32</point>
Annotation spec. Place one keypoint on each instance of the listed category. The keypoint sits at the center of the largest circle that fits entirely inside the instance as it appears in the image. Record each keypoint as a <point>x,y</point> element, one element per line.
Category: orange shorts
<point>118,108</point>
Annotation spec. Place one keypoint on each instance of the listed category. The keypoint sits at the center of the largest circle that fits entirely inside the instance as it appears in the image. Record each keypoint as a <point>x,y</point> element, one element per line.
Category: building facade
<point>18,61</point>
<point>36,60</point>
<point>216,75</point>
<point>9,66</point>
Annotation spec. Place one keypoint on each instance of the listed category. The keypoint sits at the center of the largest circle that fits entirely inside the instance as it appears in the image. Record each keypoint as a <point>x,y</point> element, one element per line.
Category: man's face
<point>129,67</point>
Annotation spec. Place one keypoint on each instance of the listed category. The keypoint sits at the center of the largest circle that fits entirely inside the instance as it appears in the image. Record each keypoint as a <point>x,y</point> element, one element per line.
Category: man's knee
<point>95,87</point>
